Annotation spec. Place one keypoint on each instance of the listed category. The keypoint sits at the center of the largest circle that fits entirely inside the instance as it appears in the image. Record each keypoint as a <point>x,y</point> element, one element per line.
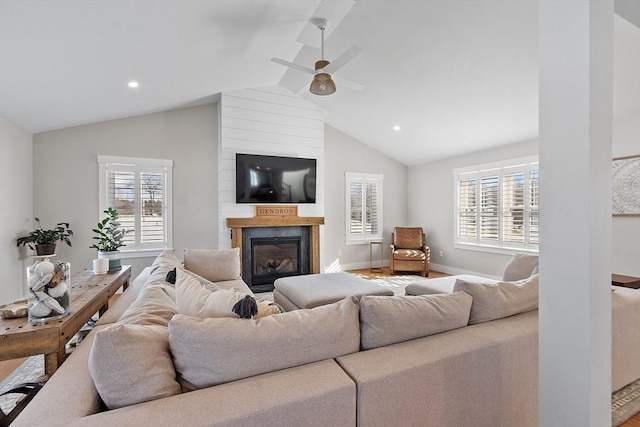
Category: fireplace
<point>269,253</point>
<point>274,257</point>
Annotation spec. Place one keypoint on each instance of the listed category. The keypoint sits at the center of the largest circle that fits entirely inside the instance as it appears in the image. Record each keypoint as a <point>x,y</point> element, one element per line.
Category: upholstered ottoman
<point>313,290</point>
<point>441,285</point>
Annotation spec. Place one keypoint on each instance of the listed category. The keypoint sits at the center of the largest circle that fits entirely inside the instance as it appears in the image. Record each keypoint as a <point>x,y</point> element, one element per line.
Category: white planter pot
<point>115,262</point>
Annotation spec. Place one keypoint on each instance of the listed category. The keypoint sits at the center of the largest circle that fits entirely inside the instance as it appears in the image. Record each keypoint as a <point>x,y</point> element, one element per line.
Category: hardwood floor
<point>385,273</point>
<point>633,421</point>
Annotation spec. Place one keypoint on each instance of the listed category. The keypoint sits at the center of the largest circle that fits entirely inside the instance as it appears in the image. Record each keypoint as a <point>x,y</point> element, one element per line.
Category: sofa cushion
<point>212,351</point>
<point>130,364</point>
<point>163,263</point>
<point>501,299</point>
<point>214,265</point>
<point>520,267</point>
<point>193,299</point>
<point>388,320</point>
<point>155,305</point>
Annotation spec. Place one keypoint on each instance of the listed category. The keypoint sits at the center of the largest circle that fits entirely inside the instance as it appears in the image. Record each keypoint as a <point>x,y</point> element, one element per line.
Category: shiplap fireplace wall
<point>270,121</point>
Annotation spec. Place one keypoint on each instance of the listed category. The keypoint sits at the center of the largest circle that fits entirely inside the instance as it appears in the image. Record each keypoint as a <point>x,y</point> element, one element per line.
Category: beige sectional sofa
<point>480,374</point>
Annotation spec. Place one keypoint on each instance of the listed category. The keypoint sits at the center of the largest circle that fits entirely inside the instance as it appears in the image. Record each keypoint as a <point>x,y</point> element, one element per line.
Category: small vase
<point>115,263</point>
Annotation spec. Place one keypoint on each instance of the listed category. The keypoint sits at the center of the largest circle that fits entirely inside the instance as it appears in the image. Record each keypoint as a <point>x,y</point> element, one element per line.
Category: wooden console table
<point>626,281</point>
<point>90,293</point>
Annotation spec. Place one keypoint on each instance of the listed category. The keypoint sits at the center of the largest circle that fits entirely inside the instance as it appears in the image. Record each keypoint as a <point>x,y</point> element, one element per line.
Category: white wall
<point>435,212</point>
<point>431,205</point>
<point>345,154</point>
<point>66,175</point>
<point>270,121</point>
<point>16,207</point>
<point>625,252</point>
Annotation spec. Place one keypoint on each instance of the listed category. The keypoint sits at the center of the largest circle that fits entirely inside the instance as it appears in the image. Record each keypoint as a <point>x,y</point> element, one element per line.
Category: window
<point>497,206</point>
<point>140,190</point>
<point>364,207</point>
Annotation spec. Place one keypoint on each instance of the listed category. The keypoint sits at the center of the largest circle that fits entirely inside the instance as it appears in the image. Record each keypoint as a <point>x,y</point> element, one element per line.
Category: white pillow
<point>502,299</point>
<point>192,299</point>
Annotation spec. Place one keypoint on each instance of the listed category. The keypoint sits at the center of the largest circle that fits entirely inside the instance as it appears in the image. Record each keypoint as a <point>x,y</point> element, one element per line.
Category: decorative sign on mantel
<point>275,210</point>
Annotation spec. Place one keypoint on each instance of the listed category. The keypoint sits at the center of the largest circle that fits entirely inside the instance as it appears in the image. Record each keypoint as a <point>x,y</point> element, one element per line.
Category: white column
<point>576,82</point>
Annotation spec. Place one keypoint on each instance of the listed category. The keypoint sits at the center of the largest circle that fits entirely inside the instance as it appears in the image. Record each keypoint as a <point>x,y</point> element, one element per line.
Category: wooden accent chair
<point>409,251</point>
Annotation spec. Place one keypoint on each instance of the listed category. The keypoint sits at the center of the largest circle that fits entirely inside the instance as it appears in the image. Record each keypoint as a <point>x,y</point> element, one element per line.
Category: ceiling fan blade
<point>345,82</point>
<point>343,59</point>
<point>294,66</point>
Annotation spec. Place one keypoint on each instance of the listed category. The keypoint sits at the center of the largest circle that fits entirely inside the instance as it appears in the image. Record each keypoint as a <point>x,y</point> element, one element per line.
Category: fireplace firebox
<point>269,253</point>
<point>272,258</point>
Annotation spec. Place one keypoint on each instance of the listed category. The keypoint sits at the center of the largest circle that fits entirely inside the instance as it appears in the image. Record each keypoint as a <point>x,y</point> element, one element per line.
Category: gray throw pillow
<point>213,351</point>
<point>493,301</point>
<point>387,320</point>
<point>520,267</point>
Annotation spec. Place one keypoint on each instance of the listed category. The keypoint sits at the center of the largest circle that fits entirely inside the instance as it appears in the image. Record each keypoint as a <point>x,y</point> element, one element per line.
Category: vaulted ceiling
<point>455,76</point>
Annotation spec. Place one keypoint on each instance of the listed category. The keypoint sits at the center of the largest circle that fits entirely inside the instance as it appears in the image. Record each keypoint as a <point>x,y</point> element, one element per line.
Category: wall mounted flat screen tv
<point>272,179</point>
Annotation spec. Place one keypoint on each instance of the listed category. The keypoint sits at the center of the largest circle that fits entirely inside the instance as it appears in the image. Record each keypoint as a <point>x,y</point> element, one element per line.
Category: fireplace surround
<point>282,231</point>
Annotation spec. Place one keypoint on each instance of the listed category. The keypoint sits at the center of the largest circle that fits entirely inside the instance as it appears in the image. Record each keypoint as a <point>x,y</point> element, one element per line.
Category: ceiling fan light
<point>322,85</point>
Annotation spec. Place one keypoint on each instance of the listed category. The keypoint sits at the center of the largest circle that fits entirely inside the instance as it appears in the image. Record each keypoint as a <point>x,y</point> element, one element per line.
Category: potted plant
<point>109,239</point>
<point>44,241</point>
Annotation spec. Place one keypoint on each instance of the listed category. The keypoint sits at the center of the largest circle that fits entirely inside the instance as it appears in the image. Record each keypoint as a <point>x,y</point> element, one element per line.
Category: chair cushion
<point>408,237</point>
<point>409,255</point>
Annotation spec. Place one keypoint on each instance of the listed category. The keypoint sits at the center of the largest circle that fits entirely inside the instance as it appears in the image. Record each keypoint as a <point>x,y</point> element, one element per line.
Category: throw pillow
<point>214,265</point>
<point>155,305</point>
<point>192,299</point>
<point>387,320</point>
<point>171,278</point>
<point>163,263</point>
<point>207,352</point>
<point>493,301</point>
<point>520,267</point>
<point>131,364</point>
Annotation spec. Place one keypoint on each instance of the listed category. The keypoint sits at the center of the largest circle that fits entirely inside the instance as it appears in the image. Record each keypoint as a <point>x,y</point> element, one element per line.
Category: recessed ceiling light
<point>133,84</point>
<point>396,128</point>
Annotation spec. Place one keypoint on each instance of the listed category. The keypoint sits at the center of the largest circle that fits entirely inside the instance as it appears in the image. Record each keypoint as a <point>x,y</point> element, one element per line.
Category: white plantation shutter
<point>497,205</point>
<point>364,207</point>
<point>139,189</point>
<point>489,208</point>
<point>467,189</point>
<point>513,207</point>
<point>534,208</point>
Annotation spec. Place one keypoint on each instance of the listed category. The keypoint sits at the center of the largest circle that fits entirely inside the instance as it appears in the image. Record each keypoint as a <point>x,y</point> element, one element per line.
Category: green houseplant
<point>44,241</point>
<point>109,238</point>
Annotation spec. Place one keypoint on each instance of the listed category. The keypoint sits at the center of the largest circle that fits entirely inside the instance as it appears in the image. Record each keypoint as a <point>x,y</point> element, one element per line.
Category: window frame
<point>525,165</point>
<point>139,165</point>
<point>363,178</point>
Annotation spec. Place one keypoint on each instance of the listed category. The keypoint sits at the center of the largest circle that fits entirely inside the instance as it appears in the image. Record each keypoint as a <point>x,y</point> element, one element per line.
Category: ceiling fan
<point>323,74</point>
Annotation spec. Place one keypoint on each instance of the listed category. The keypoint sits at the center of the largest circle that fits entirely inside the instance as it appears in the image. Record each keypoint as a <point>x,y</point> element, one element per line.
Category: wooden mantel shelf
<point>280,221</point>
<point>313,222</point>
